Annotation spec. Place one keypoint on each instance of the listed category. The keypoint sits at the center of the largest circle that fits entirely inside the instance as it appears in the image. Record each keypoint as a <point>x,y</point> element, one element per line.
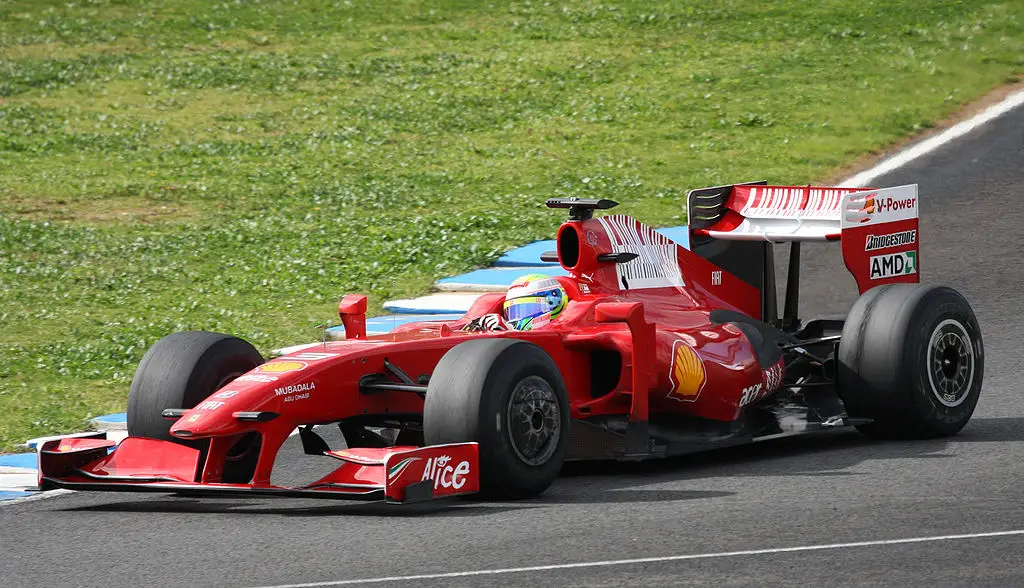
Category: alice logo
<point>438,470</point>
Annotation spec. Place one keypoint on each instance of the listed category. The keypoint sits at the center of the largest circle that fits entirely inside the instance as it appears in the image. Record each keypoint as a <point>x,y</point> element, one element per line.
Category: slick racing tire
<point>508,396</point>
<point>180,371</point>
<point>911,359</point>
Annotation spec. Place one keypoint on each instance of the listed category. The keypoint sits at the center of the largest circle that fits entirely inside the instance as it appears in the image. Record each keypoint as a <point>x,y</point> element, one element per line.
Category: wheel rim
<point>534,420</point>
<point>243,447</point>
<point>950,363</point>
<point>226,380</point>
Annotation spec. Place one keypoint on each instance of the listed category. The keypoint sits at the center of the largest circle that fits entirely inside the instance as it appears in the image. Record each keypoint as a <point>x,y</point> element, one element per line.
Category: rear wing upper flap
<point>878,228</point>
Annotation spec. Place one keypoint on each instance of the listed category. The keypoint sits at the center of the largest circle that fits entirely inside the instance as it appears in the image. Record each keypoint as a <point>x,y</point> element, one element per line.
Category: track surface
<point>837,489</point>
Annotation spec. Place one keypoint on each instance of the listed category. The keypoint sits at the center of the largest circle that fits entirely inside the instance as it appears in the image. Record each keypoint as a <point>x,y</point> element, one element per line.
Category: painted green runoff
<point>235,166</point>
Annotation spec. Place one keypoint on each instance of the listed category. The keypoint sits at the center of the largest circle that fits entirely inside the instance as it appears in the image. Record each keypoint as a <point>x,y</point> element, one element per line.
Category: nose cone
<point>215,415</point>
<point>255,395</point>
<point>209,418</point>
<point>284,387</point>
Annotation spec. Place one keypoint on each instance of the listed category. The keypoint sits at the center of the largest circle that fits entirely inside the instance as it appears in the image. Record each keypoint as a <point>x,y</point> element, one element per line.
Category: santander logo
<point>438,470</point>
<point>869,206</point>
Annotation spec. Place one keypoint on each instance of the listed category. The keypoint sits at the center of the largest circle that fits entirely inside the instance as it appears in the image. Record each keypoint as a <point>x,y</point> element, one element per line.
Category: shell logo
<point>277,367</point>
<point>869,205</point>
<point>687,375</point>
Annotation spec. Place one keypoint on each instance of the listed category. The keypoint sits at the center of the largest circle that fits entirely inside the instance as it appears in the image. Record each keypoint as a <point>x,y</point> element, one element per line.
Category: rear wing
<point>735,226</point>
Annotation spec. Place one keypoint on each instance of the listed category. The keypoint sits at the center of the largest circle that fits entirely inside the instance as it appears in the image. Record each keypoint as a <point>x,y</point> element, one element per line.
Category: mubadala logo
<point>890,240</point>
<point>438,470</point>
<point>894,264</point>
<point>296,388</point>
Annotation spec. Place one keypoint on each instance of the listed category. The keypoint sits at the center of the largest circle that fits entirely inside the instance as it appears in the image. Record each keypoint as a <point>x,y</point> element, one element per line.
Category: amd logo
<point>893,265</point>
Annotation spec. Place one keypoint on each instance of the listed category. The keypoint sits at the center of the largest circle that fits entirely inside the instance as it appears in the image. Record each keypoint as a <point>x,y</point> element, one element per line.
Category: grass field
<point>235,166</point>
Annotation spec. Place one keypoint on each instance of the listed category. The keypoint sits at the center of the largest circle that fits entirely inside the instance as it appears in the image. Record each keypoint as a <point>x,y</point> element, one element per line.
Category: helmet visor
<point>526,307</point>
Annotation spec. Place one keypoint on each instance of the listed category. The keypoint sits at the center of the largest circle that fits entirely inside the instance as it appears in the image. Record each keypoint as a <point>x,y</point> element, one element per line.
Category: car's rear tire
<point>508,396</point>
<point>181,370</point>
<point>911,359</point>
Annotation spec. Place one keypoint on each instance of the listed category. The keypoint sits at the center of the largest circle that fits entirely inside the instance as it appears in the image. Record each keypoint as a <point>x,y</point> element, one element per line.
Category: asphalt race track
<point>837,489</point>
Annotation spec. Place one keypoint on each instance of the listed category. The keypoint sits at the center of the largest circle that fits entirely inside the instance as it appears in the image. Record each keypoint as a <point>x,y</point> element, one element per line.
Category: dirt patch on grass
<point>866,161</point>
<point>105,211</point>
<point>46,51</point>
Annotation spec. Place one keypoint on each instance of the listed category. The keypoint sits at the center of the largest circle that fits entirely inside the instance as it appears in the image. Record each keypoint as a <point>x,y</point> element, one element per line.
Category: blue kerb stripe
<point>19,460</point>
<point>502,277</point>
<point>119,417</point>
<point>385,324</point>
<point>428,307</point>
<point>442,303</point>
<point>529,255</point>
<point>681,235</point>
<point>6,495</point>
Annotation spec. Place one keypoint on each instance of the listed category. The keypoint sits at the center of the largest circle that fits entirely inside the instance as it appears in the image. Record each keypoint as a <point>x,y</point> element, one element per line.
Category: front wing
<point>396,475</point>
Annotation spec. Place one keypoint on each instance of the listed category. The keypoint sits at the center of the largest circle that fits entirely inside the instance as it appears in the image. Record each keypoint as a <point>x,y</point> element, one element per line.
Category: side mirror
<point>352,310</point>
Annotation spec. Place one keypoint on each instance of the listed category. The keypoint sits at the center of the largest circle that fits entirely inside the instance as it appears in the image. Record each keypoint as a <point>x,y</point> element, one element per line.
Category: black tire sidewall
<point>872,381</point>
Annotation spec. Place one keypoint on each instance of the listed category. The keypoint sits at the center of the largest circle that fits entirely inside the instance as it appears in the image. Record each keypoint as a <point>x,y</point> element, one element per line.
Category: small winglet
<point>581,208</point>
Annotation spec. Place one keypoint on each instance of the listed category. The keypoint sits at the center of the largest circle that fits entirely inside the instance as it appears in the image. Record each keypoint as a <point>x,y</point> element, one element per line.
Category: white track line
<point>644,560</point>
<point>954,132</point>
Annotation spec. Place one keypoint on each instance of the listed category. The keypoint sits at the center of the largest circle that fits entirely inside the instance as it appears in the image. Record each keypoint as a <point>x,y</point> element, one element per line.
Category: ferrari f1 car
<point>660,350</point>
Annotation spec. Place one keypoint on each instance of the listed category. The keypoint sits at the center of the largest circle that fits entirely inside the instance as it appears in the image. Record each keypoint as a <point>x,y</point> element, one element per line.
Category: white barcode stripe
<point>657,263</point>
<point>814,202</point>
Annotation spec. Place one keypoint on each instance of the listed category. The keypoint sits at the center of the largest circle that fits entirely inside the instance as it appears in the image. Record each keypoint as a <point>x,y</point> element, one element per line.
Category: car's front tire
<point>180,371</point>
<point>508,396</point>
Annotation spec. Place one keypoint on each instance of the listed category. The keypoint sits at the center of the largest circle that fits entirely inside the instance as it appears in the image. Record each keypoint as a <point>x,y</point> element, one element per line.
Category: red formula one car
<point>659,350</point>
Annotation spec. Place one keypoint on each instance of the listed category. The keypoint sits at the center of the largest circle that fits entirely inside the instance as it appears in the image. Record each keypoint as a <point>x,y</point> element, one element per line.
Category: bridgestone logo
<point>891,240</point>
<point>893,265</point>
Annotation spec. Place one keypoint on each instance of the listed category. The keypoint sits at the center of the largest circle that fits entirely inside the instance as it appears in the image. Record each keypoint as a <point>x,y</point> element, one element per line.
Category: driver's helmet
<point>533,301</point>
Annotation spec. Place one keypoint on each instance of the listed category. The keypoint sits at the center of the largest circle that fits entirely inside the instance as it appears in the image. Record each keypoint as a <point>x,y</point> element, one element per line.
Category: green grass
<point>236,166</point>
